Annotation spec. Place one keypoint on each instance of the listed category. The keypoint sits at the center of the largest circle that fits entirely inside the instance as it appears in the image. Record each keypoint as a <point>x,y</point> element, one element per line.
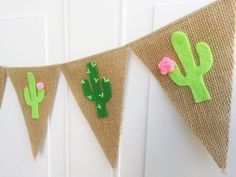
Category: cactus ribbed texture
<point>194,73</point>
<point>33,96</point>
<point>97,90</point>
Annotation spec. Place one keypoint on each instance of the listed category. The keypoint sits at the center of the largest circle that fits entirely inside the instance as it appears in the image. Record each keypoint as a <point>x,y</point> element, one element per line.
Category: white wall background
<point>155,141</point>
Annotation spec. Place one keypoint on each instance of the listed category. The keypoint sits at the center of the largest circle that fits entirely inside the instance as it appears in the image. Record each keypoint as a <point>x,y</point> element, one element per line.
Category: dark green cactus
<point>98,91</point>
<point>193,73</point>
<point>33,95</point>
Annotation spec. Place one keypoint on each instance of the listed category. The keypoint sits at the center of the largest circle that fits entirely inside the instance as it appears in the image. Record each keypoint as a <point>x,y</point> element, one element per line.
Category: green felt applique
<point>101,91</point>
<point>34,94</point>
<point>194,74</point>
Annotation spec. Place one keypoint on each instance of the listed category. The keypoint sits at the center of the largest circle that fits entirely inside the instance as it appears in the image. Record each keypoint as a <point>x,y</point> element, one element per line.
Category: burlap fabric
<point>2,82</point>
<point>111,64</point>
<point>214,24</point>
<point>49,76</point>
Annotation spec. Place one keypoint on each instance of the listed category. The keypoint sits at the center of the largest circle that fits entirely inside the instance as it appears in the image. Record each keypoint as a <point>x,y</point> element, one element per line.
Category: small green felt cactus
<point>34,94</point>
<point>97,94</point>
<point>194,73</point>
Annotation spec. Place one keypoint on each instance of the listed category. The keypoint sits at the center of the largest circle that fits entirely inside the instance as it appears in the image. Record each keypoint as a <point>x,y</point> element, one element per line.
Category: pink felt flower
<point>166,65</point>
<point>40,85</point>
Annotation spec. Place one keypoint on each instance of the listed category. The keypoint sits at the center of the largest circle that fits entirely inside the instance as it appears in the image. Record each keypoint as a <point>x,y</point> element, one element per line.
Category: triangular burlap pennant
<point>2,82</point>
<point>215,25</point>
<point>111,64</point>
<point>41,83</point>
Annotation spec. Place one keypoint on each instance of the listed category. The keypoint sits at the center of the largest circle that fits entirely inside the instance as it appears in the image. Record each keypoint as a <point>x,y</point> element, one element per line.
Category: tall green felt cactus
<point>193,73</point>
<point>33,95</point>
<point>98,91</point>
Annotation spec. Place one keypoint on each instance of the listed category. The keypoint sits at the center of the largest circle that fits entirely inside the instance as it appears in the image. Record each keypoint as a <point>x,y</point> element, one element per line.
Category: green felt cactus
<point>98,90</point>
<point>33,94</point>
<point>193,73</point>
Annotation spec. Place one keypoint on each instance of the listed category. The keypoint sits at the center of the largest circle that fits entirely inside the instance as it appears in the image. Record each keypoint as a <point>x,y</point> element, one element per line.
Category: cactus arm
<point>27,96</point>
<point>40,97</point>
<point>178,77</point>
<point>86,89</point>
<point>92,70</point>
<point>182,47</point>
<point>205,57</point>
<point>107,91</point>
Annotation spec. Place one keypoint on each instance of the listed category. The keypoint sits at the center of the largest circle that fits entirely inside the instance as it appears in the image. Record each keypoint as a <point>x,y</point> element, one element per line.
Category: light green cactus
<point>193,73</point>
<point>33,95</point>
<point>97,94</point>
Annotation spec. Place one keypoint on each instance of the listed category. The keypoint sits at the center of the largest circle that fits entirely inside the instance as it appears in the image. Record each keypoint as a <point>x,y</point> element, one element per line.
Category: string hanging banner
<point>191,58</point>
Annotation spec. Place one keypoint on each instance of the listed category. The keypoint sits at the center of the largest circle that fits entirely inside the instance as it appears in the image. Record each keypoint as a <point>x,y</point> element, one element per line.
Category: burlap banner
<point>111,65</point>
<point>2,82</point>
<point>191,58</point>
<point>214,25</point>
<point>36,89</point>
